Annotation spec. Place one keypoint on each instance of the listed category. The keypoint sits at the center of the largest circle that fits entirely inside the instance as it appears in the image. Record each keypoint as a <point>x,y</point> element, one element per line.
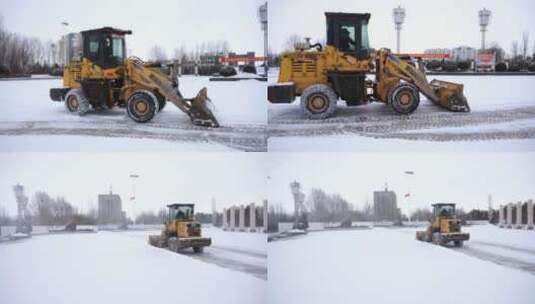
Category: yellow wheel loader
<point>102,78</point>
<point>180,230</point>
<point>444,228</point>
<point>322,75</point>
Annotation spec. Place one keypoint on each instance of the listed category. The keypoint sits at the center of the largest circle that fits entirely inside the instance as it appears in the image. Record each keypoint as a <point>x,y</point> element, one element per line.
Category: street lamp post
<point>63,43</point>
<point>263,18</point>
<point>484,19</point>
<point>398,14</point>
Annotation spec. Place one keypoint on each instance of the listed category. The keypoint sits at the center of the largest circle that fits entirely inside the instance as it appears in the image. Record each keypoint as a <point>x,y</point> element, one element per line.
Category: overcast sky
<point>230,178</point>
<point>466,178</point>
<point>428,23</point>
<point>163,22</point>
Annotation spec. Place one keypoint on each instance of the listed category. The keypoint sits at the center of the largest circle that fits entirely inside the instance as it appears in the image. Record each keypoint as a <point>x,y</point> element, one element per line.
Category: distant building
<point>110,209</point>
<point>437,51</point>
<point>464,53</point>
<point>385,206</point>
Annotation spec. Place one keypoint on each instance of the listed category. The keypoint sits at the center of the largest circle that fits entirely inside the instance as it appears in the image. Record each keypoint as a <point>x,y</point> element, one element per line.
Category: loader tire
<point>161,101</point>
<point>142,106</point>
<point>172,244</point>
<point>76,102</point>
<point>458,243</point>
<point>404,98</point>
<point>198,249</point>
<point>318,101</point>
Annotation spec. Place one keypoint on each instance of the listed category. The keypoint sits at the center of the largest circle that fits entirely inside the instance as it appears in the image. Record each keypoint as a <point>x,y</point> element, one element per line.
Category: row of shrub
<point>451,66</point>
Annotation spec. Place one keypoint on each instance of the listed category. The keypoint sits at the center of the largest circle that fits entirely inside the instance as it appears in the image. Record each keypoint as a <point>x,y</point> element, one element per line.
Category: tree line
<point>210,48</point>
<point>153,218</point>
<point>326,207</point>
<point>25,55</point>
<point>51,211</point>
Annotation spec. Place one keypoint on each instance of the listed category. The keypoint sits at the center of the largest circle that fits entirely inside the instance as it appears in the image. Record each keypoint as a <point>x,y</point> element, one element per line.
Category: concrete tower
<point>484,19</point>
<point>398,14</point>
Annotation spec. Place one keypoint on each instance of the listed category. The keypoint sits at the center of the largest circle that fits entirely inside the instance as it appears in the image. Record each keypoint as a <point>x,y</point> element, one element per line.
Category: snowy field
<point>239,106</point>
<point>120,267</point>
<point>502,119</point>
<point>389,266</point>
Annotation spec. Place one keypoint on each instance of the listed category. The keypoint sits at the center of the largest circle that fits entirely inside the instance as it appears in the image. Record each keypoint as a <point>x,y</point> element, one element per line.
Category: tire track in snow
<point>243,251</point>
<point>498,259</point>
<point>250,138</point>
<point>384,124</point>
<point>220,257</point>
<point>504,246</point>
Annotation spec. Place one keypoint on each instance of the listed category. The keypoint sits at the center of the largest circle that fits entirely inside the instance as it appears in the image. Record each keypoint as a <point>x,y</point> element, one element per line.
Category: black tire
<point>198,249</point>
<point>500,67</point>
<point>458,243</point>
<point>172,244</point>
<point>404,98</point>
<point>318,101</point>
<point>161,102</point>
<point>76,102</point>
<point>227,71</point>
<point>142,106</point>
<point>249,69</point>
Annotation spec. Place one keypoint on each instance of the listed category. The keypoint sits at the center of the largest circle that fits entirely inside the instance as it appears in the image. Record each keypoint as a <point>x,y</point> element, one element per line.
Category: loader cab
<point>349,33</point>
<point>180,212</point>
<point>105,46</point>
<point>443,210</point>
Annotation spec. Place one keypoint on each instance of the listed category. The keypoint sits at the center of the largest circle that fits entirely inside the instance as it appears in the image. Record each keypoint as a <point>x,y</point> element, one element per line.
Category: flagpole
<point>133,197</point>
<point>408,194</point>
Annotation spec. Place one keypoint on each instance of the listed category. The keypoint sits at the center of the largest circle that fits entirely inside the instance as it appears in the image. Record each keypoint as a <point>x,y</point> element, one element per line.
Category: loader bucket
<point>199,112</point>
<point>449,95</point>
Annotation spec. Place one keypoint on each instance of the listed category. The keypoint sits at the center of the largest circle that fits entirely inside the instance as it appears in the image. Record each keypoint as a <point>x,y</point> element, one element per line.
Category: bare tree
<point>525,44</point>
<point>514,49</point>
<point>289,43</point>
<point>157,53</point>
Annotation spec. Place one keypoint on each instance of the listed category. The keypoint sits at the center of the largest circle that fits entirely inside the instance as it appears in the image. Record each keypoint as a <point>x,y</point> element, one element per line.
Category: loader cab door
<point>104,48</point>
<point>349,33</point>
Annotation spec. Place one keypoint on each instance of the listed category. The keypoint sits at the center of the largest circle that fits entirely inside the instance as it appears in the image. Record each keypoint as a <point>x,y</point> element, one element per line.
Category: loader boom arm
<point>444,94</point>
<point>154,80</point>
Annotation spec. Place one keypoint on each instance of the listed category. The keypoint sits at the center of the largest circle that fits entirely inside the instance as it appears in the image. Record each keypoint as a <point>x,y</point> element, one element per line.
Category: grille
<point>304,66</point>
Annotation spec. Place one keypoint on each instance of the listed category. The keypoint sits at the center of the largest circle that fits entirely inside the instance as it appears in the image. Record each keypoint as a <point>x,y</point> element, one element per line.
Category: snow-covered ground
<point>502,119</point>
<point>120,267</point>
<point>389,266</point>
<point>239,106</point>
<point>352,143</point>
<point>76,143</point>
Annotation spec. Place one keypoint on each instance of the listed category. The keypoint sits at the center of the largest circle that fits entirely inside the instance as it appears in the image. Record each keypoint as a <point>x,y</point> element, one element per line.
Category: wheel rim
<point>72,103</point>
<point>141,107</point>
<point>318,103</point>
<point>405,99</point>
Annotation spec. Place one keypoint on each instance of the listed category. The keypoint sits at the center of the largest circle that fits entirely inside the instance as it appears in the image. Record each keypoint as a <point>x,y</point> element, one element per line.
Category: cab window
<point>94,47</point>
<point>347,39</point>
<point>365,44</point>
<point>118,49</point>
